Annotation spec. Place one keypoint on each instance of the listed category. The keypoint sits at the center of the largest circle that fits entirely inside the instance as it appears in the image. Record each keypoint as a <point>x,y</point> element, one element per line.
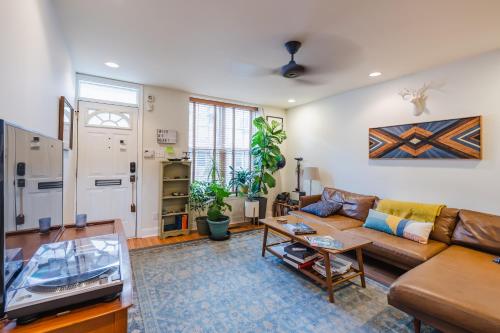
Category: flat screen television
<point>31,197</point>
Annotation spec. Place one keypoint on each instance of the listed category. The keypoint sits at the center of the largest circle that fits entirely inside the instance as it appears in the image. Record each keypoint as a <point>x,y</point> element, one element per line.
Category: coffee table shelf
<point>330,281</point>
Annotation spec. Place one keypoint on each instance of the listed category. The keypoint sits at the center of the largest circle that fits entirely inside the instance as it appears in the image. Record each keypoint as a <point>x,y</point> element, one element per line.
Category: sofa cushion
<point>398,251</point>
<point>444,225</point>
<point>398,226</point>
<point>459,286</point>
<point>478,230</point>
<point>339,222</point>
<point>322,208</point>
<point>354,205</point>
<point>306,200</point>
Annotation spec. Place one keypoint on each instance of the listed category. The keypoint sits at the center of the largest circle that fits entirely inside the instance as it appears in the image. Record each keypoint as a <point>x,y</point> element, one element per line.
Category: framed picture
<point>443,139</point>
<point>66,117</point>
<point>270,119</point>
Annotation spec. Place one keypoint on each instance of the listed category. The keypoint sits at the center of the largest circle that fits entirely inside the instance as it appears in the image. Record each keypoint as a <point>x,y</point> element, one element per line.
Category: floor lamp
<point>310,174</point>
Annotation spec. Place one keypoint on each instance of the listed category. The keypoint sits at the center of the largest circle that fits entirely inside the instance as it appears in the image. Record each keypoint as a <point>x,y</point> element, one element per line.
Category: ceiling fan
<point>292,70</point>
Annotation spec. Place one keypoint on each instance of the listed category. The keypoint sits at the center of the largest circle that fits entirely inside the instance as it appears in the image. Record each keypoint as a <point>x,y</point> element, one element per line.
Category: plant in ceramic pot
<point>217,221</point>
<point>218,192</point>
<point>240,180</point>
<point>198,202</point>
<point>267,159</point>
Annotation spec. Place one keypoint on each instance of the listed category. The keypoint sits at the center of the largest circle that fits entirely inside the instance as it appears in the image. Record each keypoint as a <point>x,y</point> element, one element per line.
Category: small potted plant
<point>217,221</point>
<point>198,202</point>
<point>252,203</point>
<point>217,192</point>
<point>240,181</point>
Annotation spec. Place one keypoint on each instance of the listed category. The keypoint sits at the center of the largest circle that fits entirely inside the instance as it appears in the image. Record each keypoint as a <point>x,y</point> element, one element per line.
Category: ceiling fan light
<point>292,70</point>
<point>374,74</point>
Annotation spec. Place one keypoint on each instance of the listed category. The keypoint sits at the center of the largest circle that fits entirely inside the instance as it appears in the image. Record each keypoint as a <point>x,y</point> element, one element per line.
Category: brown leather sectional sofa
<point>452,282</point>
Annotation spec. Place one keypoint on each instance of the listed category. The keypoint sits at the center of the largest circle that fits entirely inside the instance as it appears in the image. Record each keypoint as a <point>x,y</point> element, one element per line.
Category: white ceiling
<point>223,48</point>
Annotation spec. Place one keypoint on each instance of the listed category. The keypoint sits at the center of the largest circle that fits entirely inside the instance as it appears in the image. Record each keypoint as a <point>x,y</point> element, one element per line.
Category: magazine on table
<point>327,242</point>
<point>300,228</point>
<point>300,253</point>
<point>338,266</point>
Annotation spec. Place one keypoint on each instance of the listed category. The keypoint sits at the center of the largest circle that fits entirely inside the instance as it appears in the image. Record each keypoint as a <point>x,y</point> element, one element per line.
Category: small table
<point>350,242</point>
<point>281,208</point>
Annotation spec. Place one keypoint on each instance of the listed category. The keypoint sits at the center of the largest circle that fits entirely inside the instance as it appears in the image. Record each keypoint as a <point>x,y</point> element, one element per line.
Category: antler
<point>405,93</point>
<point>417,96</point>
<point>425,87</point>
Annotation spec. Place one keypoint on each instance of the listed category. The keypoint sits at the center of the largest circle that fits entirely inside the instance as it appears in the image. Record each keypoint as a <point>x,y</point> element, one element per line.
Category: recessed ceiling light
<point>374,74</point>
<point>112,64</point>
<point>291,100</point>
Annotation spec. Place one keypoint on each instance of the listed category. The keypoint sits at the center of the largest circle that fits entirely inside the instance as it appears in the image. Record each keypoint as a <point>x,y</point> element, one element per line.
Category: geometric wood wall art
<point>444,139</point>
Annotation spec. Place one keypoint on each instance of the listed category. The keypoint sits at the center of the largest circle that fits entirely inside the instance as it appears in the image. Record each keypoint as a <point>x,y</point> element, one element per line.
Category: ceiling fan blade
<point>307,82</point>
<point>251,70</point>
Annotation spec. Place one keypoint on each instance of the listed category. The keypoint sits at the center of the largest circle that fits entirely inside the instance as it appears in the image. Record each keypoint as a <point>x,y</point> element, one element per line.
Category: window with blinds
<point>219,132</point>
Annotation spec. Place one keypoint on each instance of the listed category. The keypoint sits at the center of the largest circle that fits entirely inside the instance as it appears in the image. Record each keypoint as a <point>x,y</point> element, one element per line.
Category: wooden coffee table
<point>351,243</point>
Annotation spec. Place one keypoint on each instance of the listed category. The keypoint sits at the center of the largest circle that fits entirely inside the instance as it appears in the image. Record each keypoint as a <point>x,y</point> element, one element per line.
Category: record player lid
<point>65,263</point>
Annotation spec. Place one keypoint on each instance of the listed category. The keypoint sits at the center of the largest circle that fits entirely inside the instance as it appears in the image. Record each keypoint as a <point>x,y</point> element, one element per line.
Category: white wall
<point>171,111</point>
<point>35,71</point>
<point>332,134</point>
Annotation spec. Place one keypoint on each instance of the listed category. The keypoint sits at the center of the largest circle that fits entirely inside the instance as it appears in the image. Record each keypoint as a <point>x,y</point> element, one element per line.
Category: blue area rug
<point>207,286</point>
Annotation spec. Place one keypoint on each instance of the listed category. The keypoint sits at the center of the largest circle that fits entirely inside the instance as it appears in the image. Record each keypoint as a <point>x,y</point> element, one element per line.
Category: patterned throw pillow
<point>323,208</point>
<point>398,226</point>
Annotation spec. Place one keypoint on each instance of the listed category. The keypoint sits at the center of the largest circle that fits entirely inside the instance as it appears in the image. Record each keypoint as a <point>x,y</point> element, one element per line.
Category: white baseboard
<point>147,232</point>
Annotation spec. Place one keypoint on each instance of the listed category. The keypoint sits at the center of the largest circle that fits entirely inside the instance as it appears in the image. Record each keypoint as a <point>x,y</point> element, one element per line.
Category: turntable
<point>63,274</point>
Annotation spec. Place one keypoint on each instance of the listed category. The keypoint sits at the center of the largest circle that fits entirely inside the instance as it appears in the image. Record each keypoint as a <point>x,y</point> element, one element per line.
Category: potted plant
<point>267,159</point>
<point>240,180</point>
<point>198,202</point>
<point>217,191</point>
<point>252,203</point>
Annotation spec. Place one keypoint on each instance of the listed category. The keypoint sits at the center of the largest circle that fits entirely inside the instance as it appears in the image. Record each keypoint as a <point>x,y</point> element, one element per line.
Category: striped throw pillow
<point>398,226</point>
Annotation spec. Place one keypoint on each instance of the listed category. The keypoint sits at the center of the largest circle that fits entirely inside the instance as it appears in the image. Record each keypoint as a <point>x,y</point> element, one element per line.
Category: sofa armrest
<point>308,199</point>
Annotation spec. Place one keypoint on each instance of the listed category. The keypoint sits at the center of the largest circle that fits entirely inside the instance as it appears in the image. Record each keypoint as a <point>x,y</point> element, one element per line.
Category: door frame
<point>140,121</point>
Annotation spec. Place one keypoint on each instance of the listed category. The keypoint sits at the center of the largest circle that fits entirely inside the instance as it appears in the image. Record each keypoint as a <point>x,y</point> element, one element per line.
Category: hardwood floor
<point>140,243</point>
<point>377,270</point>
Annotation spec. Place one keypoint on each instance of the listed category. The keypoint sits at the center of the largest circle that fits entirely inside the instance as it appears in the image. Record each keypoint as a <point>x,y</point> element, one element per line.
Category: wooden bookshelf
<point>174,198</point>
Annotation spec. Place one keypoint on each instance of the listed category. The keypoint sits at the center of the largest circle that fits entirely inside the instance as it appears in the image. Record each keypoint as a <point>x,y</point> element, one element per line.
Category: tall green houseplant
<point>267,157</point>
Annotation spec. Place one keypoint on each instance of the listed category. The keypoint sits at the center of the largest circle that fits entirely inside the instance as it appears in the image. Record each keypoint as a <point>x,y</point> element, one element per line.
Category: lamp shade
<point>311,173</point>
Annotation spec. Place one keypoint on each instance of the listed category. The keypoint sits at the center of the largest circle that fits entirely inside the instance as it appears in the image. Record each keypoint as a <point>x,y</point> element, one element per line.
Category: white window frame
<point>130,117</point>
<point>109,82</point>
<point>253,109</point>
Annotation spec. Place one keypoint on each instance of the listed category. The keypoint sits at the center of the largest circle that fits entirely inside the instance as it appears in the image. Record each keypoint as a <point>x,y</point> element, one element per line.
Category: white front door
<point>107,146</point>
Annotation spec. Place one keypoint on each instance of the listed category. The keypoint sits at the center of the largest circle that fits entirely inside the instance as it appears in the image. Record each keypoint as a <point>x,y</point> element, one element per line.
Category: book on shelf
<point>300,252</point>
<point>184,221</point>
<point>338,266</point>
<point>326,242</point>
<point>298,265</point>
<point>299,228</point>
<point>178,222</point>
<point>280,248</point>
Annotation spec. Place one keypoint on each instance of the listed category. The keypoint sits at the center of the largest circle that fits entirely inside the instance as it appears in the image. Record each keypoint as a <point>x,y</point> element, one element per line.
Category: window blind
<point>219,132</point>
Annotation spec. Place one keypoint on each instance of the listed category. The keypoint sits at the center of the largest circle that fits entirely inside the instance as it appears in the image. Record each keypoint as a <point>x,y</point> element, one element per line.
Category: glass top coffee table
<point>349,242</point>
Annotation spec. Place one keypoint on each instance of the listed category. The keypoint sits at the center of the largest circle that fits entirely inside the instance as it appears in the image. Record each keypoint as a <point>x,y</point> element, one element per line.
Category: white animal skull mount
<point>418,97</point>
